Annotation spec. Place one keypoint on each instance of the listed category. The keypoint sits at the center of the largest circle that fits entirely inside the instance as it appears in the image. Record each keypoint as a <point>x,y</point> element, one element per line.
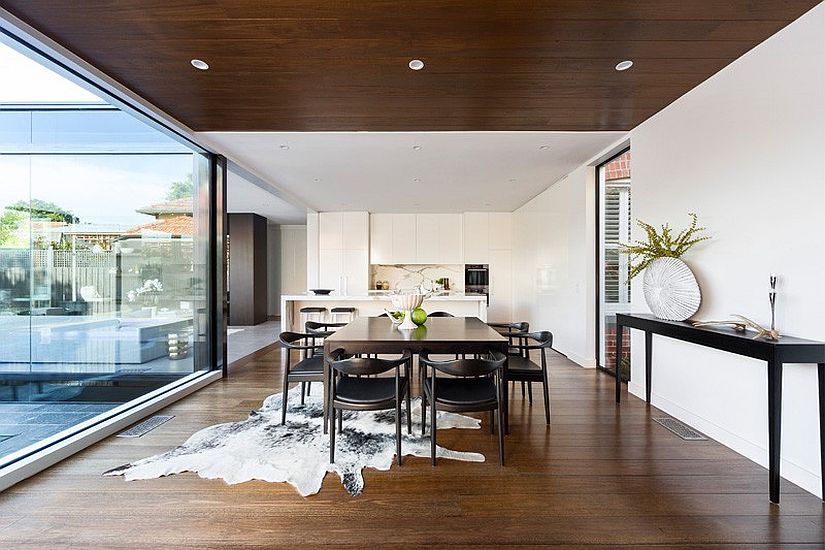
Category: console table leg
<point>774,426</point>
<point>619,338</point>
<point>821,376</point>
<point>648,364</point>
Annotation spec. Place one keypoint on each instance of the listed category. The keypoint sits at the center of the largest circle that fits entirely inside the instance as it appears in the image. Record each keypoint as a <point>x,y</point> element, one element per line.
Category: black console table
<point>786,350</point>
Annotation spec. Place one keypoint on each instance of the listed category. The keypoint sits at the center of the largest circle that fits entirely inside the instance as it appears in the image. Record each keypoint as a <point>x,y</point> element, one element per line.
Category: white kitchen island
<point>373,304</point>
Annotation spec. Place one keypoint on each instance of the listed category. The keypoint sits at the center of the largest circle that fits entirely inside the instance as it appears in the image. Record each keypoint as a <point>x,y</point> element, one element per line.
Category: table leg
<point>648,364</point>
<point>506,395</point>
<point>821,375</point>
<point>774,426</point>
<point>619,338</point>
<point>326,388</point>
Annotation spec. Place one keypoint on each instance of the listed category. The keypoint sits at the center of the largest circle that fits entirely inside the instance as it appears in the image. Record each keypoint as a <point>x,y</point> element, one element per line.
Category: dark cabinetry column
<point>248,298</point>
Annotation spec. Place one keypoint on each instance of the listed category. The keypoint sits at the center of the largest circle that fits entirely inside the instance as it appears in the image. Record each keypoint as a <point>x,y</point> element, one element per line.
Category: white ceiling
<point>244,196</point>
<point>377,171</point>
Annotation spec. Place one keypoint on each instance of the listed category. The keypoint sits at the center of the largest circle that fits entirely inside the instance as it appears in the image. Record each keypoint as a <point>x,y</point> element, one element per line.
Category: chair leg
<point>398,428</point>
<point>284,395</point>
<point>530,392</point>
<point>433,430</point>
<point>309,387</point>
<point>409,411</point>
<point>303,391</point>
<point>341,420</point>
<point>332,435</point>
<point>522,389</point>
<point>500,435</point>
<point>546,401</point>
<point>492,422</point>
<point>423,413</point>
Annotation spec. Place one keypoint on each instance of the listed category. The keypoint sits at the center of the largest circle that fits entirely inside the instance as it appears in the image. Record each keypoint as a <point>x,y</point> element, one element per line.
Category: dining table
<point>439,335</point>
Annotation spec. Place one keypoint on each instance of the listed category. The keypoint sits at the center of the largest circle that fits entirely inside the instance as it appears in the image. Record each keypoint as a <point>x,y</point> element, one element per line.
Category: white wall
<point>293,260</point>
<point>553,264</point>
<point>745,151</point>
<point>273,269</point>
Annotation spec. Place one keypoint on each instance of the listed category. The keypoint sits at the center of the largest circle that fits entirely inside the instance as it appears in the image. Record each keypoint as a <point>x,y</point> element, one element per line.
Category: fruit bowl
<point>407,302</point>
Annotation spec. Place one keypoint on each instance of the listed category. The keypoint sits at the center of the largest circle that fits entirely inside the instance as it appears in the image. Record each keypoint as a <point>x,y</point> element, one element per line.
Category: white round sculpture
<point>407,303</point>
<point>671,290</point>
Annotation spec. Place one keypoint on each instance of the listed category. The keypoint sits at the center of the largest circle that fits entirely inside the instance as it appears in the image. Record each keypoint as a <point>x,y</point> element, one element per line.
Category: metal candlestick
<point>772,298</point>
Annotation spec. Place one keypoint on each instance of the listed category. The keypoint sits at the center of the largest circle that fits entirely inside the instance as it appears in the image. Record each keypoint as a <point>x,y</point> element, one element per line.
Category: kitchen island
<point>374,303</point>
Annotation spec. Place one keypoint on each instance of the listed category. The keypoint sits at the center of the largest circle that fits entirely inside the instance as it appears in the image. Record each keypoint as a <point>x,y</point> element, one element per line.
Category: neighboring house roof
<point>177,206</point>
<point>182,226</point>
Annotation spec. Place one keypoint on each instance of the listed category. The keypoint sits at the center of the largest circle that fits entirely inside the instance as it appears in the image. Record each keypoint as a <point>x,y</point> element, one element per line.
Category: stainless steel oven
<point>477,280</point>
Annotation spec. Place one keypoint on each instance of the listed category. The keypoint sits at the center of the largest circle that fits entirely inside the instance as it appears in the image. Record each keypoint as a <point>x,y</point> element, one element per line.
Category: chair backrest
<point>506,328</point>
<point>312,327</point>
<point>345,364</point>
<point>466,367</point>
<point>535,340</point>
<point>440,314</point>
<point>301,340</point>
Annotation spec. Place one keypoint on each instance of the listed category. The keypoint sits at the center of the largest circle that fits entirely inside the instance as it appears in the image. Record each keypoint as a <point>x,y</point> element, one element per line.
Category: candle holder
<point>772,298</point>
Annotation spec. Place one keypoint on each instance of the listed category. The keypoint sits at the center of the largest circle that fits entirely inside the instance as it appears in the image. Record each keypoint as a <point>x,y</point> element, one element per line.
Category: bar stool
<point>349,313</point>
<point>313,313</point>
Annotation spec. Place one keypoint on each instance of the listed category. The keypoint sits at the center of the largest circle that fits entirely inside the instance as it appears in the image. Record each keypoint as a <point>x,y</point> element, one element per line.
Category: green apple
<point>419,316</point>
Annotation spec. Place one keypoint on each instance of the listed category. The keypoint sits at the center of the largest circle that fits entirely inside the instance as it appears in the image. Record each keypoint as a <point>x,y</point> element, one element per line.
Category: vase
<point>671,290</point>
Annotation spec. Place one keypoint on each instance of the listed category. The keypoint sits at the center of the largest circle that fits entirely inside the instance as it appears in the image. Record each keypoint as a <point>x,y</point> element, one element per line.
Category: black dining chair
<point>513,331</point>
<point>521,368</point>
<point>319,331</point>
<point>472,385</point>
<point>440,314</point>
<point>308,369</point>
<point>349,391</point>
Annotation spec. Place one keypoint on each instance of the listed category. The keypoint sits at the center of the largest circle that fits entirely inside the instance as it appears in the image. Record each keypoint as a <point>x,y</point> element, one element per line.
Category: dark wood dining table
<point>440,335</point>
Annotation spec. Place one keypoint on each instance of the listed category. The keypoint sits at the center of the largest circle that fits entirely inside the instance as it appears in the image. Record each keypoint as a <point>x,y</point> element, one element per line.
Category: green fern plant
<point>662,245</point>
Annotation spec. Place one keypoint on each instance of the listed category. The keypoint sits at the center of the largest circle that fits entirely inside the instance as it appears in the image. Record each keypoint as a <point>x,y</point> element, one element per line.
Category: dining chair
<point>440,314</point>
<point>319,330</point>
<point>349,390</point>
<point>308,369</point>
<point>512,331</point>
<point>521,368</point>
<point>472,385</point>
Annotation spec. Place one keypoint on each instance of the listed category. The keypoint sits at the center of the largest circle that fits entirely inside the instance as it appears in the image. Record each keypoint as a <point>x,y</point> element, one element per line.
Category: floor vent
<point>146,426</point>
<point>6,437</point>
<point>681,429</point>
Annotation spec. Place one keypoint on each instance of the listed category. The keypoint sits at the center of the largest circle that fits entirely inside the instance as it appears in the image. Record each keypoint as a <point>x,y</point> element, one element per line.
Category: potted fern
<point>669,286</point>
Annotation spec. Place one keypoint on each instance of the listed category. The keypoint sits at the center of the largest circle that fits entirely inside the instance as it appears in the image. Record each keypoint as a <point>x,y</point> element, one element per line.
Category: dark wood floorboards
<point>586,480</point>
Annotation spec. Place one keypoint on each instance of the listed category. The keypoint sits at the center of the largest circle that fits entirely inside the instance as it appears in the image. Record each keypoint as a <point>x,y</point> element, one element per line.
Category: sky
<point>97,188</point>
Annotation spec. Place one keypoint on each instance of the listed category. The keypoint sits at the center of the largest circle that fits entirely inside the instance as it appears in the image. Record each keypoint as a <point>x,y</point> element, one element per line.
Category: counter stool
<point>349,313</point>
<point>313,313</point>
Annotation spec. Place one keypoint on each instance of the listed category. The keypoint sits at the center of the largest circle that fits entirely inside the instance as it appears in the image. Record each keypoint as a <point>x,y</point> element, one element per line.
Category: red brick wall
<point>618,168</point>
<point>610,347</point>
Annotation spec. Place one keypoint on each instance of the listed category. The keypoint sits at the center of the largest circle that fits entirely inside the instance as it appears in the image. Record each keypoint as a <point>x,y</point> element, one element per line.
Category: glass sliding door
<point>614,178</point>
<point>105,275</point>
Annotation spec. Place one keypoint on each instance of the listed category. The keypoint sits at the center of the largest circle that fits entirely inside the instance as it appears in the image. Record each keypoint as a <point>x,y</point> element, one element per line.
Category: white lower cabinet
<point>501,286</point>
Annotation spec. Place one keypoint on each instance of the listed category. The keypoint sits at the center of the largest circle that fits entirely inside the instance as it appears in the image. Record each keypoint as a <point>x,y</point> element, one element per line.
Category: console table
<point>776,353</point>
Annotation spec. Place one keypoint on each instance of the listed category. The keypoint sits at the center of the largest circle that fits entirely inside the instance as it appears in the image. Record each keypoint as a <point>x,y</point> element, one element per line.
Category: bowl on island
<point>321,291</point>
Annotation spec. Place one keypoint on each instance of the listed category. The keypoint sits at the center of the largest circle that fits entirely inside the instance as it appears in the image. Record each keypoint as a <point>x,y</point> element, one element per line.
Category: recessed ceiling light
<point>284,147</point>
<point>544,147</point>
<point>416,147</point>
<point>199,64</point>
<point>624,65</point>
<point>316,180</point>
<point>416,180</point>
<point>416,64</point>
<point>487,204</point>
<point>512,180</point>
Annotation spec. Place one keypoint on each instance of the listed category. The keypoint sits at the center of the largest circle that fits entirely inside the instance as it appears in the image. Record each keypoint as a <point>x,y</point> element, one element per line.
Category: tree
<point>40,209</point>
<point>9,223</point>
<point>181,189</point>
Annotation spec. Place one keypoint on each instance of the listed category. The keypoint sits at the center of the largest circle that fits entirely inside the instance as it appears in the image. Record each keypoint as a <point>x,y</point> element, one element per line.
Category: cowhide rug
<point>297,452</point>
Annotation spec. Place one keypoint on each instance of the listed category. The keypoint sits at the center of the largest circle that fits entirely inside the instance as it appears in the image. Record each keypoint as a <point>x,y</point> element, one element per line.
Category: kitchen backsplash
<point>411,276</point>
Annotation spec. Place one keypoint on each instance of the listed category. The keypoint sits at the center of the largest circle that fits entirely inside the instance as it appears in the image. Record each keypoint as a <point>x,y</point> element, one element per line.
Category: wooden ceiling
<point>324,65</point>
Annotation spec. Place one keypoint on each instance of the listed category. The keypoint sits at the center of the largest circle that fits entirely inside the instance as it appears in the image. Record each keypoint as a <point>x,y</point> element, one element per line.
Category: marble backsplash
<point>411,276</point>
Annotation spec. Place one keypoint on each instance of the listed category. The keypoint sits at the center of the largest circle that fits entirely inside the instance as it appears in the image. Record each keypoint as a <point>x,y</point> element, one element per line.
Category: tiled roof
<point>177,206</point>
<point>183,226</point>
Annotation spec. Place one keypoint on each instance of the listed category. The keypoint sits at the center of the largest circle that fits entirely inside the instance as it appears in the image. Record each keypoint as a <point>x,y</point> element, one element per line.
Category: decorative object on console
<point>408,302</point>
<point>669,286</point>
<point>741,324</point>
<point>772,299</point>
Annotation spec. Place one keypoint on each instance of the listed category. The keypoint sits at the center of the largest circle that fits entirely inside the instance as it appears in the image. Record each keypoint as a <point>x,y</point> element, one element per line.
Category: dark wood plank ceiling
<point>321,65</point>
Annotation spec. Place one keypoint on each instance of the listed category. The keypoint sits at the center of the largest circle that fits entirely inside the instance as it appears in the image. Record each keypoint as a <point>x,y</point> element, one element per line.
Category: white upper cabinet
<point>404,230</point>
<point>330,231</point>
<point>501,230</point>
<point>501,287</point>
<point>476,238</point>
<point>355,231</point>
<point>427,238</point>
<point>381,238</point>
<point>450,241</point>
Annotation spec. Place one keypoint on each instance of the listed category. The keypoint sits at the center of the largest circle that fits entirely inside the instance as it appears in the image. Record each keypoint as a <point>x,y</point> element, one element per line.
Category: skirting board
<point>588,363</point>
<point>794,473</point>
<point>39,461</point>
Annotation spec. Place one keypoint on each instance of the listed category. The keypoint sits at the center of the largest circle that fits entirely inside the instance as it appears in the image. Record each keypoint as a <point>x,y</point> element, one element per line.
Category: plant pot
<point>671,290</point>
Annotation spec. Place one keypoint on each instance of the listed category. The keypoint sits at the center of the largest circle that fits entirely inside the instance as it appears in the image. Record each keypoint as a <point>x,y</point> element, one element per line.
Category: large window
<point>104,243</point>
<point>613,265</point>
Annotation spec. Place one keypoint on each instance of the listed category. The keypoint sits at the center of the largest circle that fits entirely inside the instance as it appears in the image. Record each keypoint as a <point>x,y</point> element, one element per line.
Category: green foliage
<point>181,189</point>
<point>662,245</point>
<point>9,223</point>
<point>44,210</point>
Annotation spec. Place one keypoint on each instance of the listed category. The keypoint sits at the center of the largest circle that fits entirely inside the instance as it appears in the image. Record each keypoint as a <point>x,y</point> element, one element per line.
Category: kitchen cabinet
<point>476,238</point>
<point>330,232</point>
<point>416,239</point>
<point>500,230</point>
<point>343,251</point>
<point>501,286</point>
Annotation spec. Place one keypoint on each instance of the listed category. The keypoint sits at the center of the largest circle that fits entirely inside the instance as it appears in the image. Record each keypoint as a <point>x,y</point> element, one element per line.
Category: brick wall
<point>610,347</point>
<point>618,168</point>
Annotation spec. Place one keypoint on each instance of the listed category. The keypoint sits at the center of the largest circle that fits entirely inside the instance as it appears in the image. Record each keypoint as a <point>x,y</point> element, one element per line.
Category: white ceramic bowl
<point>407,302</point>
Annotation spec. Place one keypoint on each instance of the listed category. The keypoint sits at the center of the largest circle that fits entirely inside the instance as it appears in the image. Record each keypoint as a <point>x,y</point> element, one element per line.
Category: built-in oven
<point>477,280</point>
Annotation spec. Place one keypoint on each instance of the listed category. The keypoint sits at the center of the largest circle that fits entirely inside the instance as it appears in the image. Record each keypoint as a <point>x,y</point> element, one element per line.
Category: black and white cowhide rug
<point>297,452</point>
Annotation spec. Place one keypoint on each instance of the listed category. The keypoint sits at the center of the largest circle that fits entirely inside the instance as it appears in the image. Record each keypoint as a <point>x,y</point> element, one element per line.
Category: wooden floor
<point>587,479</point>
